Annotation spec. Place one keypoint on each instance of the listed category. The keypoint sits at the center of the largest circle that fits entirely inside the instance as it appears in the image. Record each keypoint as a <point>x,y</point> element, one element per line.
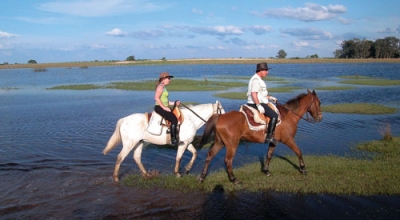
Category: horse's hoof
<point>178,175</point>
<point>237,182</point>
<point>200,179</point>
<point>116,179</point>
<point>267,173</point>
<point>303,171</point>
<point>187,172</point>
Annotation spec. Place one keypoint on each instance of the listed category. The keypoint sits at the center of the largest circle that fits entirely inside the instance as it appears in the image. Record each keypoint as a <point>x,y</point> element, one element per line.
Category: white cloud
<point>307,33</point>
<point>116,32</point>
<point>7,35</point>
<point>98,46</point>
<point>343,20</point>
<point>94,8</point>
<point>311,12</point>
<point>259,29</point>
<point>197,11</point>
<point>218,30</point>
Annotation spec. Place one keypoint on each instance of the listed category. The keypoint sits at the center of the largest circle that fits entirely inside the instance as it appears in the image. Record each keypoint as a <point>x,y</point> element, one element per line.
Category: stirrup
<point>271,140</point>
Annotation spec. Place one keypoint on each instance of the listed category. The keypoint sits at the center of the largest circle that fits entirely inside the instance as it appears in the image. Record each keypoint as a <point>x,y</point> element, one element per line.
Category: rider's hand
<point>260,109</point>
<point>273,99</point>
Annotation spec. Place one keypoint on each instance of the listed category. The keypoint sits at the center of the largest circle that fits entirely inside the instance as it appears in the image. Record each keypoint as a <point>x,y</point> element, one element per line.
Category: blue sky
<point>87,30</point>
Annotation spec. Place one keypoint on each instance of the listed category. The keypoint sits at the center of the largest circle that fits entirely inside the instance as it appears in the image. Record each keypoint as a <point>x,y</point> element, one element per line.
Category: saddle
<point>157,122</point>
<point>255,119</point>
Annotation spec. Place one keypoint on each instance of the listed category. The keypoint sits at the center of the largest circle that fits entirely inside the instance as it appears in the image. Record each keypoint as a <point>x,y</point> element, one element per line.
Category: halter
<point>219,111</point>
<point>308,114</point>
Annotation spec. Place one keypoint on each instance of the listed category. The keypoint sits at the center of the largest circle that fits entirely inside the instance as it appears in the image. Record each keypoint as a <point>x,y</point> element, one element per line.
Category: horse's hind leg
<point>193,150</point>
<point>210,155</point>
<point>230,154</point>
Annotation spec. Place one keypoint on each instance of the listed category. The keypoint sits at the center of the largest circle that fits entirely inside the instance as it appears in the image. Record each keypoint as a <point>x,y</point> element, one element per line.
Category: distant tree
<point>281,54</point>
<point>314,56</point>
<point>130,58</point>
<point>338,53</point>
<point>163,59</point>
<point>32,62</point>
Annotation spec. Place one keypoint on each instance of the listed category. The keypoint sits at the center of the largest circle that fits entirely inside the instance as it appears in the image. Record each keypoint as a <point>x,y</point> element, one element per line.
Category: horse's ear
<point>308,91</point>
<point>314,92</point>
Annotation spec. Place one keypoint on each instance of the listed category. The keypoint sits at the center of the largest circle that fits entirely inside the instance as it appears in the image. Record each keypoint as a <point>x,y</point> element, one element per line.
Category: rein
<point>307,119</point>
<point>218,110</point>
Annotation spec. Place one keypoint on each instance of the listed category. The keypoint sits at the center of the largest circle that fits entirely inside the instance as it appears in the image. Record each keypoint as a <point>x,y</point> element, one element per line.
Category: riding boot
<point>174,140</point>
<point>270,133</point>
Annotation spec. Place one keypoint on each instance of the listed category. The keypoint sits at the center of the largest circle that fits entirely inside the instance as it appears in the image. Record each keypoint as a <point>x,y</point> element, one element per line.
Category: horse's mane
<point>294,103</point>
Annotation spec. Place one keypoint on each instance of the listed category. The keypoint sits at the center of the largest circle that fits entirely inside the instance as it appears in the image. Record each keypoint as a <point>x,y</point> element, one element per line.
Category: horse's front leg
<point>193,150</point>
<point>126,148</point>
<point>267,159</point>
<point>292,145</point>
<point>179,154</point>
<point>137,156</point>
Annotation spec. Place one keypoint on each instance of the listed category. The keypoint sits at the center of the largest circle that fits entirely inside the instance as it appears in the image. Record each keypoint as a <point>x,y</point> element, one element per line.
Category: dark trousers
<point>268,111</point>
<point>166,115</point>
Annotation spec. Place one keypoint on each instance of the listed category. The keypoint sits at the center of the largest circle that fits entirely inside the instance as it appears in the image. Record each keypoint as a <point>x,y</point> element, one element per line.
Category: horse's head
<point>314,109</point>
<point>217,108</point>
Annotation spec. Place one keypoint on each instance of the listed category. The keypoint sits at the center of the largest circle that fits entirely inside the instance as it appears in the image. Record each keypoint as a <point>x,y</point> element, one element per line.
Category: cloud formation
<point>311,12</point>
<point>7,35</point>
<point>93,8</point>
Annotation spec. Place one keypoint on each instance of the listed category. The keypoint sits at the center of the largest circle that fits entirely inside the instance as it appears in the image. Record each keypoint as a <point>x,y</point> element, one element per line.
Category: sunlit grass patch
<point>372,82</point>
<point>326,175</point>
<point>356,77</point>
<point>9,88</point>
<point>177,85</point>
<point>358,108</point>
<point>242,95</point>
<point>76,87</point>
<point>335,88</point>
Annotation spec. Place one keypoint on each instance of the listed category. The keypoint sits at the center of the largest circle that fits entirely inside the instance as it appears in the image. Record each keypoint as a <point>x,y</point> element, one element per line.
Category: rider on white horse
<point>162,103</point>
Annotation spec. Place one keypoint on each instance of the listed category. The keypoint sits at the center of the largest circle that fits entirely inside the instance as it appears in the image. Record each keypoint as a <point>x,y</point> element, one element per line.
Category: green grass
<point>242,95</point>
<point>335,88</point>
<point>76,87</point>
<point>326,174</point>
<point>149,85</point>
<point>369,81</point>
<point>358,108</point>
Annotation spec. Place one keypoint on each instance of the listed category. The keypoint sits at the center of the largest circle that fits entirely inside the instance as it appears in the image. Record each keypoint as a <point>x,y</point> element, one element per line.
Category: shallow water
<point>51,165</point>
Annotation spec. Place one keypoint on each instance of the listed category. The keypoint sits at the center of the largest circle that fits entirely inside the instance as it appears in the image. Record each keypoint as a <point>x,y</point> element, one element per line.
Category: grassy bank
<point>375,172</point>
<point>195,61</point>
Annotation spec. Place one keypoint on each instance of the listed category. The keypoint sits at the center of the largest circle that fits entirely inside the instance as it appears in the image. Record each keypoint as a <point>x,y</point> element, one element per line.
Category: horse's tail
<point>115,138</point>
<point>208,129</point>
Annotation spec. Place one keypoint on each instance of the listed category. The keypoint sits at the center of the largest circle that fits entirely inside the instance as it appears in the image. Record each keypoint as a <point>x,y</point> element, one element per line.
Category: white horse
<point>132,131</point>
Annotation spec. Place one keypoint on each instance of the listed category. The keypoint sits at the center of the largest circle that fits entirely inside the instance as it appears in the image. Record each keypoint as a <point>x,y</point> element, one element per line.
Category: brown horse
<point>231,127</point>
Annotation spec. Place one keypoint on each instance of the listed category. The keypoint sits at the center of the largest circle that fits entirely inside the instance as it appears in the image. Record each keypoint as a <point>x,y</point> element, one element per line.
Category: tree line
<point>389,47</point>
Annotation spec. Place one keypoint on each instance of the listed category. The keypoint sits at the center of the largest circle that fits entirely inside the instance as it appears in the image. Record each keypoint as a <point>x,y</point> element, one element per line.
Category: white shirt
<point>256,84</point>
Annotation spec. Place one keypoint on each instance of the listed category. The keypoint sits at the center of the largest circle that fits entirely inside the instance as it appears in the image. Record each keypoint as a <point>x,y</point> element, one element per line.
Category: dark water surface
<point>51,165</point>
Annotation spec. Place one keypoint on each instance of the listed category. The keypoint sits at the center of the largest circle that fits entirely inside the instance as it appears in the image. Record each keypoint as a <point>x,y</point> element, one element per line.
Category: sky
<point>86,30</point>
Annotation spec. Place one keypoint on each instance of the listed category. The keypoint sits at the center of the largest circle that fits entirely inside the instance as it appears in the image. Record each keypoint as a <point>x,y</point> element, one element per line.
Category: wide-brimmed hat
<point>165,75</point>
<point>262,66</point>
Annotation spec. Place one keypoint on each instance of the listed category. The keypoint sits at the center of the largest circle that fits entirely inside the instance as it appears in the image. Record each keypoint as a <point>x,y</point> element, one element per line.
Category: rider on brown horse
<point>257,97</point>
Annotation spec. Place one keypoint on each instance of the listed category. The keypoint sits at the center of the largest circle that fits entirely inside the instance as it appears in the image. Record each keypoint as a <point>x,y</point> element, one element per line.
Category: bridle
<point>218,110</point>
<point>309,118</point>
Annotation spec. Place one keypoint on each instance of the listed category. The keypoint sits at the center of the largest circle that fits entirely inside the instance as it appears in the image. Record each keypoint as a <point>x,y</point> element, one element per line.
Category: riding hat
<point>165,75</point>
<point>262,66</point>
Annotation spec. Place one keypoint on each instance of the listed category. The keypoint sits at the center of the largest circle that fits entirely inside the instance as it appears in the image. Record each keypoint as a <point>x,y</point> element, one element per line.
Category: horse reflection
<point>232,127</point>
